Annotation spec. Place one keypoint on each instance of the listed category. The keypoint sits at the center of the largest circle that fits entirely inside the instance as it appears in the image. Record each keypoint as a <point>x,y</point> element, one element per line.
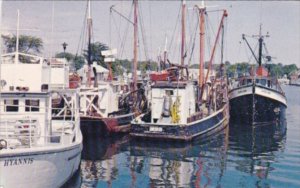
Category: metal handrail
<point>26,139</point>
<point>253,78</point>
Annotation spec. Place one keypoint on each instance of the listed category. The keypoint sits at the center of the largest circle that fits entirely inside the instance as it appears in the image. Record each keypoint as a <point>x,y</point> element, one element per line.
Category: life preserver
<point>3,144</point>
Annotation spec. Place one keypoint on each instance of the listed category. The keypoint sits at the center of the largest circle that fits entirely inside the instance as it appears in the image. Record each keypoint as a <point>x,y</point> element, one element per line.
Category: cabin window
<point>32,105</point>
<point>249,81</point>
<point>269,83</point>
<point>263,82</point>
<point>243,82</point>
<point>257,81</point>
<point>11,105</point>
<point>170,92</point>
<point>115,89</point>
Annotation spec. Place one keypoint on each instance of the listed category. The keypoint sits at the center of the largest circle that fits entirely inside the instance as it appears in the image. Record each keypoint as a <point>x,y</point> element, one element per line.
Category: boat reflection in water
<point>171,164</point>
<point>99,161</point>
<point>121,162</point>
<point>254,149</point>
<point>213,162</point>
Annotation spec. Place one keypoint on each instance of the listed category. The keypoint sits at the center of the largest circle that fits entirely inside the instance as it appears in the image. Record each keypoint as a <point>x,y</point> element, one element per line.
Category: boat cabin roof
<point>170,84</point>
<point>15,94</point>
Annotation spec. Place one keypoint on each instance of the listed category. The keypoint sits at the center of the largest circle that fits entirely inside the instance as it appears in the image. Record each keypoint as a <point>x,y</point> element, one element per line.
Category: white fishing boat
<point>183,109</point>
<point>40,145</point>
<point>102,109</point>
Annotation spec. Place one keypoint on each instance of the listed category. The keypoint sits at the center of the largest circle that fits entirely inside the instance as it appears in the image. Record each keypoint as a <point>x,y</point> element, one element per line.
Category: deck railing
<point>271,83</point>
<point>50,125</point>
<point>26,133</point>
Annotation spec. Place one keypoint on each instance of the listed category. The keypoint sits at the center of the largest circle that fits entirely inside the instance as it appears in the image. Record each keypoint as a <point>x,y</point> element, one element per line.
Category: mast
<point>17,37</point>
<point>260,41</point>
<point>215,44</point>
<point>89,25</point>
<point>135,42</point>
<point>202,11</point>
<point>165,53</point>
<point>183,32</point>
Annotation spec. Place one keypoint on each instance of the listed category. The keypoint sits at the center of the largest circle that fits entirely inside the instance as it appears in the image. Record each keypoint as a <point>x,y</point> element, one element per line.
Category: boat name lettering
<point>264,91</point>
<point>18,161</point>
<point>242,91</point>
<point>155,129</point>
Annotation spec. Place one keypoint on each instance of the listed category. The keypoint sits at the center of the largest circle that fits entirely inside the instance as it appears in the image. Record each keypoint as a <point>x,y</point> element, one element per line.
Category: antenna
<point>166,42</point>
<point>165,51</point>
<point>17,37</point>
<point>89,9</point>
<point>202,4</point>
<point>52,29</point>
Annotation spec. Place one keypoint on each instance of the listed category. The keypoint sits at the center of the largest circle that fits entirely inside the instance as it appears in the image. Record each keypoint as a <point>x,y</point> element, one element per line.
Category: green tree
<point>27,44</point>
<point>96,49</point>
<point>275,70</point>
<point>287,69</point>
<point>67,55</point>
<point>78,61</point>
<point>231,69</point>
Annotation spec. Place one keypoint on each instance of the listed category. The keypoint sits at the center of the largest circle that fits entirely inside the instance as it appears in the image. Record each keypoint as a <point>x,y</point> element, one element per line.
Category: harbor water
<point>239,156</point>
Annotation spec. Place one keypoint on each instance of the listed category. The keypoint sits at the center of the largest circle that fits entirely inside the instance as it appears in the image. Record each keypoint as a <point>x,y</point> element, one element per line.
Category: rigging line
<point>150,28</point>
<point>190,32</point>
<point>126,32</point>
<point>239,51</point>
<point>214,34</point>
<point>82,32</point>
<point>52,30</point>
<point>176,49</point>
<point>208,37</point>
<point>225,38</point>
<point>143,32</point>
<point>109,29</point>
<point>117,28</point>
<point>194,42</point>
<point>246,52</point>
<point>222,44</point>
<point>252,57</point>
<point>174,55</point>
<point>171,42</point>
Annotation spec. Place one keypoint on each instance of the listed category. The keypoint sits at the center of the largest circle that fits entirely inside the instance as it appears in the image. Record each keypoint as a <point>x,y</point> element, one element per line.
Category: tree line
<point>34,45</point>
<point>277,70</point>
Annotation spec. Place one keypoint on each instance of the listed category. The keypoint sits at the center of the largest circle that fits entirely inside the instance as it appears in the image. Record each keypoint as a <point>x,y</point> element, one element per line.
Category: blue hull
<point>200,128</point>
<point>254,109</point>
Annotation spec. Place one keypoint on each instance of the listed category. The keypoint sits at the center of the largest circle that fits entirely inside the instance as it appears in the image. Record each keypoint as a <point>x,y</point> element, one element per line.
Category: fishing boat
<point>40,146</point>
<point>258,98</point>
<point>182,109</point>
<point>102,108</point>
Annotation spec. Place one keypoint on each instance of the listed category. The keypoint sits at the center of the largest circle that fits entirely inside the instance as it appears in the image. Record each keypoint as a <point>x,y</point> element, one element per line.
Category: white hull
<point>45,167</point>
<point>260,91</point>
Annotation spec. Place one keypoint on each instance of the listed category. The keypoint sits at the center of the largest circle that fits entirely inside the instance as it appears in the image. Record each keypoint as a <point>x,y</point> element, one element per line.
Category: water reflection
<point>201,162</point>
<point>239,156</point>
<point>99,161</point>
<point>254,148</point>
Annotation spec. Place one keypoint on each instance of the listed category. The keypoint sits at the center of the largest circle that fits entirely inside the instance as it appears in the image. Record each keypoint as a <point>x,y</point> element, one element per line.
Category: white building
<point>101,72</point>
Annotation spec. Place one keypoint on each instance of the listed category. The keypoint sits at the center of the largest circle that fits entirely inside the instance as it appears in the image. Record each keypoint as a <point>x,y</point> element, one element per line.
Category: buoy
<point>167,106</point>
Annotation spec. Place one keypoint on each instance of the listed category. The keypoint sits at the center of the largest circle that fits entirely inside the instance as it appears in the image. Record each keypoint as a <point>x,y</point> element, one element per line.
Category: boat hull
<point>39,167</point>
<point>104,126</point>
<point>200,128</point>
<point>257,106</point>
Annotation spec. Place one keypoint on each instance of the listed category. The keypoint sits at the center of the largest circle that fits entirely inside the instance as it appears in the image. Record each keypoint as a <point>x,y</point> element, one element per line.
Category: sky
<point>63,21</point>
